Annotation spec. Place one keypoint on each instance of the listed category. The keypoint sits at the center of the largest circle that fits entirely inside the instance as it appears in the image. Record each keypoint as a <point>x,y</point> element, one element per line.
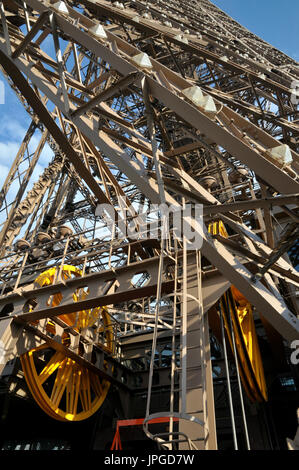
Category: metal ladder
<point>195,417</point>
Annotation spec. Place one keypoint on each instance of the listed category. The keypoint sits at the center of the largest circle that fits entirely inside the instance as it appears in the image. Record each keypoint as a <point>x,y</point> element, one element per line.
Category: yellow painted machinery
<point>236,309</point>
<point>63,388</point>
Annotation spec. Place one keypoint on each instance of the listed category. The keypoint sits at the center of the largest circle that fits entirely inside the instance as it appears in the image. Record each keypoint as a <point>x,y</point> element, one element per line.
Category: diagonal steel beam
<point>122,84</point>
<point>28,38</point>
<point>52,127</point>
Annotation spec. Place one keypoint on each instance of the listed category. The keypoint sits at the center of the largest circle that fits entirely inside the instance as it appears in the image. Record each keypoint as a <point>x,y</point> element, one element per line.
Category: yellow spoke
<point>77,389</point>
<point>51,366</point>
<point>61,381</point>
<point>57,383</point>
<point>69,394</point>
<point>85,390</point>
<point>72,391</point>
<point>96,384</point>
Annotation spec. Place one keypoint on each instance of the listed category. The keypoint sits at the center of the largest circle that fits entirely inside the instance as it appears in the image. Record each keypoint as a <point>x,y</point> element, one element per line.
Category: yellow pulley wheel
<point>63,388</point>
<point>78,320</point>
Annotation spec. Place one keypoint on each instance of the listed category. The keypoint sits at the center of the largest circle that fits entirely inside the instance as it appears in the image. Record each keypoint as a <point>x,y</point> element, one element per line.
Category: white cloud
<point>8,151</point>
<point>11,137</point>
<point>11,128</point>
<point>3,173</point>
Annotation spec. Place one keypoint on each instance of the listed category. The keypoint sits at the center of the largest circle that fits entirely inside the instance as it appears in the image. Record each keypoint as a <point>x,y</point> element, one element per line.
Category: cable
<point>228,381</point>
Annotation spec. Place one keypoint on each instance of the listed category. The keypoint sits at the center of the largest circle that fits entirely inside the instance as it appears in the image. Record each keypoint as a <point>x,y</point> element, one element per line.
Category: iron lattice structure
<point>144,103</point>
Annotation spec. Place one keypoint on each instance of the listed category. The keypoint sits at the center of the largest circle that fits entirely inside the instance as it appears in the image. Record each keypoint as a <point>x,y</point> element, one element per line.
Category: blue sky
<point>275,21</point>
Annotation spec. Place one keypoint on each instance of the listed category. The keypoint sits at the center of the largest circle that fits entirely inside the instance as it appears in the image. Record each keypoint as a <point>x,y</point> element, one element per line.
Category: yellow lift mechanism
<point>235,306</point>
<point>64,389</point>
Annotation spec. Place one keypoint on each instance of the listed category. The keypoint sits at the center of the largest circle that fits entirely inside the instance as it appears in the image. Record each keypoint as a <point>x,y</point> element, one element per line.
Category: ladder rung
<point>188,388</point>
<point>195,329</point>
<point>194,412</point>
<point>193,347</point>
<point>190,368</point>
<point>190,315</point>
